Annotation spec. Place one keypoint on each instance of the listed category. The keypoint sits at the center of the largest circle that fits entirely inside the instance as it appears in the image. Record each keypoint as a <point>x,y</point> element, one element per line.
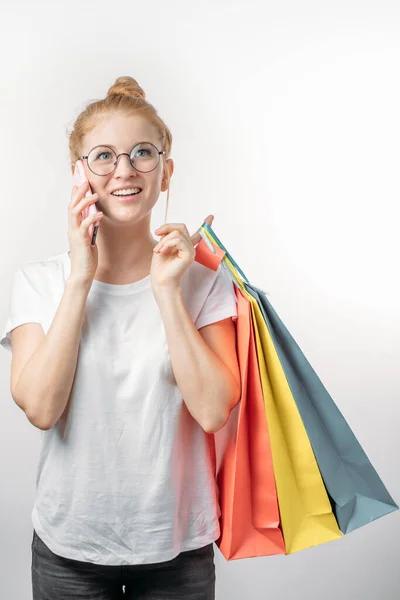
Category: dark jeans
<point>189,576</point>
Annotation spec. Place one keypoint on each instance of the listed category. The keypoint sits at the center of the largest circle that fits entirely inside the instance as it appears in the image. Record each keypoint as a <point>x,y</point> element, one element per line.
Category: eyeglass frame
<point>129,155</point>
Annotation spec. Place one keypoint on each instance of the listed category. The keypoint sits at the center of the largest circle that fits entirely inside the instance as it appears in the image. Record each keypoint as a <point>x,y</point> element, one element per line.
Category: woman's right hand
<point>84,256</point>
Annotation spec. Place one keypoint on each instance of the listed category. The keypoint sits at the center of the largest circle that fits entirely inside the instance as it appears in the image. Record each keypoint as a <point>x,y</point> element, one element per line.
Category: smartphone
<point>78,178</point>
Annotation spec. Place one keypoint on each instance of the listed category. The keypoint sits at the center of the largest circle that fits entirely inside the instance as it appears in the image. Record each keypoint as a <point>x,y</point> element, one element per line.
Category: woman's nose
<point>124,164</point>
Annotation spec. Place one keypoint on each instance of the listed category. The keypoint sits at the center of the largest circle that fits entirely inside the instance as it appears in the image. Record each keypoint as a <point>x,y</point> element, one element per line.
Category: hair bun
<point>126,86</point>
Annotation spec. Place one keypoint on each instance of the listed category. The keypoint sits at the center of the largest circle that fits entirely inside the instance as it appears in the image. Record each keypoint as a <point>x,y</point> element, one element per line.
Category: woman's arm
<point>45,382</point>
<point>204,364</point>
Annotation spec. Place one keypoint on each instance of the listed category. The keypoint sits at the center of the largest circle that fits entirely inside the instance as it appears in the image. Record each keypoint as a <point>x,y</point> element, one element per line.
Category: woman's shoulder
<point>197,283</point>
<point>198,279</point>
<point>45,272</point>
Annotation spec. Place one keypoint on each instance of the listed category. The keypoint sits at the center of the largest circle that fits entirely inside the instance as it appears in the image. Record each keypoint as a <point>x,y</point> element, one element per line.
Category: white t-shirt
<point>125,476</point>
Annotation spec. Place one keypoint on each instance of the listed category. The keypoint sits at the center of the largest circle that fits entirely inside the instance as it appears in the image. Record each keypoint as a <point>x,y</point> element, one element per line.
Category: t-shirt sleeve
<point>24,306</point>
<point>221,301</point>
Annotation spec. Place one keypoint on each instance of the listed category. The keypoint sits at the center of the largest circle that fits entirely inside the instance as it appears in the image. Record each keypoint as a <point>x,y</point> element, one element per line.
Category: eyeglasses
<point>144,157</point>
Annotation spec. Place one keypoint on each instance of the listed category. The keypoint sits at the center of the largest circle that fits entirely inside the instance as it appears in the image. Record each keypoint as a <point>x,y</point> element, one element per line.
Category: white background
<point>286,126</point>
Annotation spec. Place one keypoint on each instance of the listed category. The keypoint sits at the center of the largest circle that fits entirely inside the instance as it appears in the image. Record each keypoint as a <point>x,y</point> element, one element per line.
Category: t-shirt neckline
<point>112,288</point>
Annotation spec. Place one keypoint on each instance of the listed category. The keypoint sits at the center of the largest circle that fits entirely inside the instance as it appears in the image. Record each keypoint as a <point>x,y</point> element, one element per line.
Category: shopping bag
<point>357,494</point>
<point>306,513</point>
<point>249,519</point>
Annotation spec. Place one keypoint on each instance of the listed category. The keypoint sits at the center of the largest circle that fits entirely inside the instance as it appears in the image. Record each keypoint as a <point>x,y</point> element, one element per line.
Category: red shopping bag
<point>241,451</point>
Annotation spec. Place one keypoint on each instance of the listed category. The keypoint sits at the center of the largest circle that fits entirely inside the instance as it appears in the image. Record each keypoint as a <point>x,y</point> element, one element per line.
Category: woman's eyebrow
<point>114,147</point>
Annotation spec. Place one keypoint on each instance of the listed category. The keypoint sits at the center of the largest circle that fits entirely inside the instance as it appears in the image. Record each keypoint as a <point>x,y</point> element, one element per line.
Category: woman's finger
<point>196,237</point>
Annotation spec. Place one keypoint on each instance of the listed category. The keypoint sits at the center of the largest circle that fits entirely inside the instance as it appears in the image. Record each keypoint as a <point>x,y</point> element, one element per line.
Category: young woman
<point>123,355</point>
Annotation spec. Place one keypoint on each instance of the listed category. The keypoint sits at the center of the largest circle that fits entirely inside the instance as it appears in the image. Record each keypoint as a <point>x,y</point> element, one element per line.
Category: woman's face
<point>122,133</point>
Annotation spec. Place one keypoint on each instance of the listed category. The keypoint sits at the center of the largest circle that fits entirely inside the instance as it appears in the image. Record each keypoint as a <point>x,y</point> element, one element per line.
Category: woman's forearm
<point>206,384</point>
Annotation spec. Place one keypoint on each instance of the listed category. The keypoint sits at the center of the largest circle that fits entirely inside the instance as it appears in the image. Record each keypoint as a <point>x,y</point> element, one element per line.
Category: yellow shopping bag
<point>306,513</point>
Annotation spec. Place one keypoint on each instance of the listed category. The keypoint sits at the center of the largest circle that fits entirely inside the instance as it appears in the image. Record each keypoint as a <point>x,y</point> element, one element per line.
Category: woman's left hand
<point>173,253</point>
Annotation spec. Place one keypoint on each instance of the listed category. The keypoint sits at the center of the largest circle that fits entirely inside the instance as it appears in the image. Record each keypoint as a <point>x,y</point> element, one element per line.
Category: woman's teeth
<point>129,192</point>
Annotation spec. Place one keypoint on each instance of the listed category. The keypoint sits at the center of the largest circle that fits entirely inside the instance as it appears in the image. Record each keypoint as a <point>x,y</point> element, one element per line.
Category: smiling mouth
<point>126,196</point>
<point>133,194</point>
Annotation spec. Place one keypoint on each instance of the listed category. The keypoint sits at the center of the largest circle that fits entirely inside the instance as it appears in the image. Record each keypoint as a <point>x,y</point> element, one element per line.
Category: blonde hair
<point>127,97</point>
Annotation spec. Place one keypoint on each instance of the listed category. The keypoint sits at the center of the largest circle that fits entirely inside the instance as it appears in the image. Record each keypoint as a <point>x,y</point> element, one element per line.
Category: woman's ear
<point>167,174</point>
